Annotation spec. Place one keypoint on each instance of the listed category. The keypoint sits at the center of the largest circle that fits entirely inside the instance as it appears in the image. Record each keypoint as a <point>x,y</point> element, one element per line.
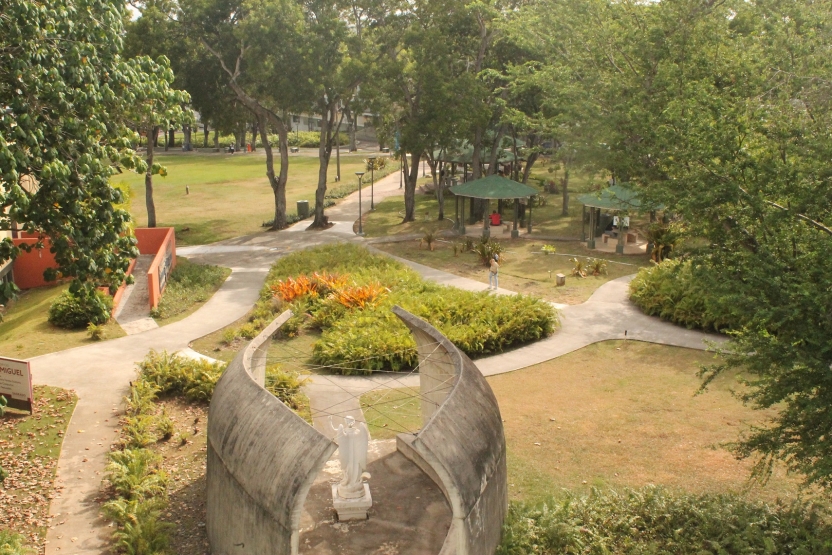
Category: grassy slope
<point>25,331</point>
<point>229,195</point>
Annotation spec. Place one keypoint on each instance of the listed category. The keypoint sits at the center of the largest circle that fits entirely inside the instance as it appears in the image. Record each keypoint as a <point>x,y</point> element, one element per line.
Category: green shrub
<point>11,543</point>
<point>73,311</point>
<point>189,284</point>
<point>96,332</point>
<point>140,528</point>
<point>135,474</point>
<point>285,386</point>
<point>373,338</point>
<point>655,521</point>
<point>193,378</point>
<point>684,293</point>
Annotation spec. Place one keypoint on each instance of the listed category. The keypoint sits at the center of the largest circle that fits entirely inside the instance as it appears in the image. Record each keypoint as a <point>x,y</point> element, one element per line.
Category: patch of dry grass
<point>524,268</point>
<point>625,413</point>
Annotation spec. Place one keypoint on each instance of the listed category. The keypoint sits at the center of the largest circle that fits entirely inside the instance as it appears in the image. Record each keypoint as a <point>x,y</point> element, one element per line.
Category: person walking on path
<point>493,274</point>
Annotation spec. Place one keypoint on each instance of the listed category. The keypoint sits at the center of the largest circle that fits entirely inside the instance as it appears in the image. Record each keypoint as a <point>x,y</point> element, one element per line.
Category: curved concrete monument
<point>461,445</point>
<point>263,458</point>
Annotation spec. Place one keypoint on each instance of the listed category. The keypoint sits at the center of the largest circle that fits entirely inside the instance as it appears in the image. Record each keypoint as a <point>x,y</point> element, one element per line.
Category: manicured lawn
<point>229,195</point>
<point>25,331</point>
<point>29,454</point>
<point>389,412</point>
<point>525,268</point>
<point>386,219</point>
<point>616,414</point>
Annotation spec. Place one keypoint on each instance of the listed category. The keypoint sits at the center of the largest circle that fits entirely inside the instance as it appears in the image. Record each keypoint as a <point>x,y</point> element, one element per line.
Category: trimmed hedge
<point>655,521</point>
<point>359,340</point>
<point>684,293</point>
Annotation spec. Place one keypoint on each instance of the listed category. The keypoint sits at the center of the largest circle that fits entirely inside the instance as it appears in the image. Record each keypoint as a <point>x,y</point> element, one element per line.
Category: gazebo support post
<point>590,243</point>
<point>486,219</point>
<point>529,225</point>
<point>462,218</point>
<point>583,223</point>
<point>622,235</point>
<point>456,213</point>
<point>515,233</point>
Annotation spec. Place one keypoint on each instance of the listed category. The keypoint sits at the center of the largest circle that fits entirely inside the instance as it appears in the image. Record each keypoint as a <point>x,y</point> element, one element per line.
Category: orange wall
<point>159,241</point>
<point>165,254</point>
<point>29,266</point>
<point>151,239</point>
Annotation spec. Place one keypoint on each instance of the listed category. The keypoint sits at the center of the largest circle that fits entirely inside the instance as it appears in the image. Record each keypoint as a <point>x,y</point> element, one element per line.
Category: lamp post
<point>372,182</point>
<point>360,226</point>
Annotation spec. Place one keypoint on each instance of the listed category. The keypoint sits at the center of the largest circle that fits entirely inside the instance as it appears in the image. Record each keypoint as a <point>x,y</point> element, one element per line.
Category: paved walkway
<point>100,373</point>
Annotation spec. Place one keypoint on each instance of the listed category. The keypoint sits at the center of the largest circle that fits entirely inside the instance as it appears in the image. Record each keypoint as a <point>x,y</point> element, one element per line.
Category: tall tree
<point>256,44</point>
<point>66,95</point>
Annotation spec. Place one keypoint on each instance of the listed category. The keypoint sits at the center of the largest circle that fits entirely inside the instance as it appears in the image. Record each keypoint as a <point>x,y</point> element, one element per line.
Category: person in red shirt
<point>495,218</point>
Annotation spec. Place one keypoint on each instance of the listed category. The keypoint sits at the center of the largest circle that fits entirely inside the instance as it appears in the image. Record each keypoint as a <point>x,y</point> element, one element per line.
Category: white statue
<point>352,451</point>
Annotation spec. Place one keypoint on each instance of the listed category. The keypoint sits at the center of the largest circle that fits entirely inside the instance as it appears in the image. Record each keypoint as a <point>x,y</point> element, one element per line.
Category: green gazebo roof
<point>493,186</point>
<point>616,197</point>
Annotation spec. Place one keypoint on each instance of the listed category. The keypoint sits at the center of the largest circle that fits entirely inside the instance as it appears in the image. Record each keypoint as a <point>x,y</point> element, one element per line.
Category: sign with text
<point>16,383</point>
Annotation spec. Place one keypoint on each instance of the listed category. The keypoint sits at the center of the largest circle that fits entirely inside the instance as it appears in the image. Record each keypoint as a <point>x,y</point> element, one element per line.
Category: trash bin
<point>303,209</point>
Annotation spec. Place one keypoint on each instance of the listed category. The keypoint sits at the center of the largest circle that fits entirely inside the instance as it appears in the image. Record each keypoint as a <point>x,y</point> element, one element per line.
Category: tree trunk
<point>205,133</point>
<point>217,139</point>
<point>337,157</point>
<point>352,122</point>
<point>324,154</point>
<point>529,163</point>
<point>148,183</point>
<point>171,138</point>
<point>565,183</point>
<point>476,164</point>
<point>278,184</point>
<point>412,174</point>
<point>156,137</point>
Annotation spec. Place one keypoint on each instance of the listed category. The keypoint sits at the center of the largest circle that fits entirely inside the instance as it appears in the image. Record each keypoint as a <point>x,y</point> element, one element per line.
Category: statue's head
<point>350,421</point>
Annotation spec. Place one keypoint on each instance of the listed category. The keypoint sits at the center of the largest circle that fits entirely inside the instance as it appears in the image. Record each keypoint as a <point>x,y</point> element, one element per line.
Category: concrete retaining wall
<point>262,460</point>
<point>461,444</point>
<point>161,242</point>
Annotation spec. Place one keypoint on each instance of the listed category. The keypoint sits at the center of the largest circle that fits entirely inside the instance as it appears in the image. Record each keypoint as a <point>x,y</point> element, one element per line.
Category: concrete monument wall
<point>262,460</point>
<point>461,445</point>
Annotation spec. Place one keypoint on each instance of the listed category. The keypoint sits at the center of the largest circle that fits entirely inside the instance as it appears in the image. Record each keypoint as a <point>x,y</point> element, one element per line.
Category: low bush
<point>189,284</point>
<point>684,293</point>
<point>656,521</point>
<point>192,378</point>
<point>359,331</point>
<point>75,311</point>
<point>135,474</point>
<point>141,530</point>
<point>11,543</point>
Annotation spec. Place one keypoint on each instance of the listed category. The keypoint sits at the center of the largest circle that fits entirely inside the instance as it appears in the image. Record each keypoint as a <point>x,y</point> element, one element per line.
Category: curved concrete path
<point>100,373</point>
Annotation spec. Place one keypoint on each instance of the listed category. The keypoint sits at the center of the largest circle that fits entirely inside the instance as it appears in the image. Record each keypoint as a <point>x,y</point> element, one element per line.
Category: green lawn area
<point>189,287</point>
<point>31,445</point>
<point>525,268</point>
<point>25,331</point>
<point>614,414</point>
<point>229,195</point>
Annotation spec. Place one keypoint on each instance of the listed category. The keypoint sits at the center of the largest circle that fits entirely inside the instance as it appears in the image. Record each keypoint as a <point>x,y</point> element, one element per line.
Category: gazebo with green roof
<point>493,187</point>
<point>616,198</point>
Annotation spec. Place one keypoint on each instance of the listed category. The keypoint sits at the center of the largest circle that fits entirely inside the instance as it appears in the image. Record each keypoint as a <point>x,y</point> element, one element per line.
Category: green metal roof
<point>616,197</point>
<point>493,186</point>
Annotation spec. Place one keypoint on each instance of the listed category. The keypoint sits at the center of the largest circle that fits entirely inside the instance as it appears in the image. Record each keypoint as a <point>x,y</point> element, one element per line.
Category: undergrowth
<point>136,483</point>
<point>653,520</point>
<point>189,284</point>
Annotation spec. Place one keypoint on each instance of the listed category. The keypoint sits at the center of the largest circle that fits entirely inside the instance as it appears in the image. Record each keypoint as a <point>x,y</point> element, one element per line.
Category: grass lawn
<point>25,331</point>
<point>29,449</point>
<point>619,414</point>
<point>189,287</point>
<point>389,412</point>
<point>525,268</point>
<point>386,219</point>
<point>229,195</point>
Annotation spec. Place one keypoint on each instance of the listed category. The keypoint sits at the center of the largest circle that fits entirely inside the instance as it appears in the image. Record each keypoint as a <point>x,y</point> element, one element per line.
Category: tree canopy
<point>66,95</point>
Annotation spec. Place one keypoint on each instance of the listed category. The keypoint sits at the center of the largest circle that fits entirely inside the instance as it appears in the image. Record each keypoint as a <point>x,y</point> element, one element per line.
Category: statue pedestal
<point>352,509</point>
